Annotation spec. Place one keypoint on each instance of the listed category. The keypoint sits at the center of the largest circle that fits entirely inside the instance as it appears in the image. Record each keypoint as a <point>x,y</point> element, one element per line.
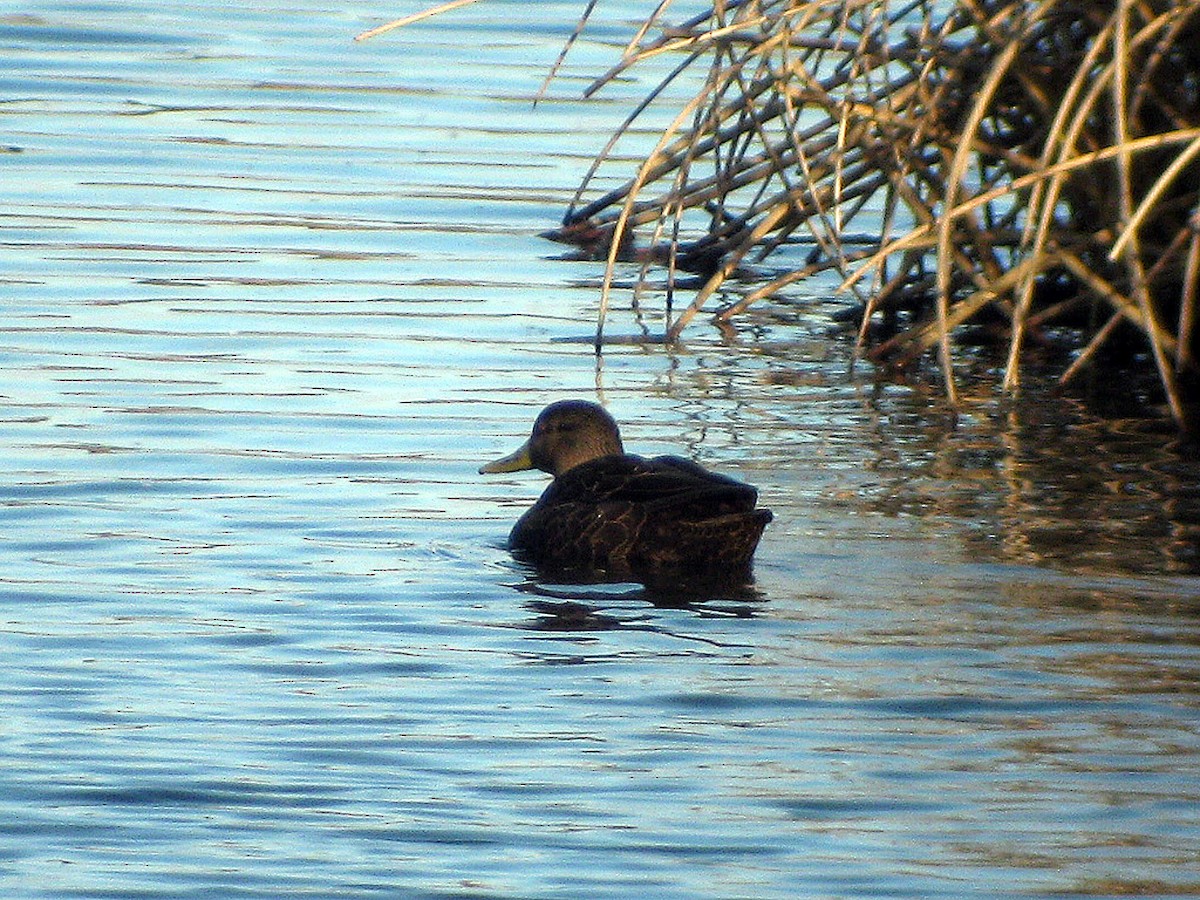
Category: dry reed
<point>1035,165</point>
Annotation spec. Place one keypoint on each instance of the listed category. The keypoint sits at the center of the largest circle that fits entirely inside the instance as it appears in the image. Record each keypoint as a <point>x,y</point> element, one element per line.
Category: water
<point>271,298</point>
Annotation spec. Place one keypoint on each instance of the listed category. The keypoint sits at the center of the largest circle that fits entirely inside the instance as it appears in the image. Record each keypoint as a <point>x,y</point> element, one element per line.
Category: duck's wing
<point>624,512</point>
<point>664,481</point>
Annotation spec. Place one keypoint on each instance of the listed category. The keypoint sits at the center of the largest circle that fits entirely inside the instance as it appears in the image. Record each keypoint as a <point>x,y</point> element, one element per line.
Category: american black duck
<point>608,512</point>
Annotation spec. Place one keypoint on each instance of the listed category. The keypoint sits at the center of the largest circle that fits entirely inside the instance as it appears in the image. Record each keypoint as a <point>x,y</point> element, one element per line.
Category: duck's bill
<point>514,462</point>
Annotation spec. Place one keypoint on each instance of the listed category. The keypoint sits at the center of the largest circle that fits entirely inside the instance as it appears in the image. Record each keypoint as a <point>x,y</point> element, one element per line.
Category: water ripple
<point>271,297</point>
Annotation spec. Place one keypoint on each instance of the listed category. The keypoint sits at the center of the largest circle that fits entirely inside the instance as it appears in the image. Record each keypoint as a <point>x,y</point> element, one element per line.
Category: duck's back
<point>624,513</point>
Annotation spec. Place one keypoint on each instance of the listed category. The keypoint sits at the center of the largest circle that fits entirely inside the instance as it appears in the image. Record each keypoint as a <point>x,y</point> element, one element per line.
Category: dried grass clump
<point>1030,163</point>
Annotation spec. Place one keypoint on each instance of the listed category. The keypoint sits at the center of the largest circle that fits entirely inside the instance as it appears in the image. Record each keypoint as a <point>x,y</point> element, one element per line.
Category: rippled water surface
<point>271,297</point>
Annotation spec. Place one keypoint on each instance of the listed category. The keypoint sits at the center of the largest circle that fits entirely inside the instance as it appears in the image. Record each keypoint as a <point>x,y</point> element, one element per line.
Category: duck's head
<point>566,434</point>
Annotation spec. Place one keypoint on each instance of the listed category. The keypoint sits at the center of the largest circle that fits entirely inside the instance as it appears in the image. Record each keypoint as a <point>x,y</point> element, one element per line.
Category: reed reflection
<point>1042,482</point>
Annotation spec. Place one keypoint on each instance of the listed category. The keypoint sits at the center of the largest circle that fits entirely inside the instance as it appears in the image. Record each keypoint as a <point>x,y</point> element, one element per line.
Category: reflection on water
<point>587,607</point>
<point>272,297</point>
<point>1042,484</point>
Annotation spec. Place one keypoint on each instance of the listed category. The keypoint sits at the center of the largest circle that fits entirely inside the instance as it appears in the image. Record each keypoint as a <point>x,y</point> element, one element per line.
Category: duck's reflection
<point>570,607</point>
<point>570,615</point>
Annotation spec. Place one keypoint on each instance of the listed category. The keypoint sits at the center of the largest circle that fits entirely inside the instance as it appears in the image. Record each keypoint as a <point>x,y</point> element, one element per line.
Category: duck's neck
<point>571,455</point>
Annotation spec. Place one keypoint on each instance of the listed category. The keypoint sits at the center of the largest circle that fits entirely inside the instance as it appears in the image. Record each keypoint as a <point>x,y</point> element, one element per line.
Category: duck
<point>611,513</point>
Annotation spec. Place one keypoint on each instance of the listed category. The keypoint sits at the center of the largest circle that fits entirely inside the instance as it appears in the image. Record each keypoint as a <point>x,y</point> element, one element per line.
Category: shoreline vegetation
<point>1028,170</point>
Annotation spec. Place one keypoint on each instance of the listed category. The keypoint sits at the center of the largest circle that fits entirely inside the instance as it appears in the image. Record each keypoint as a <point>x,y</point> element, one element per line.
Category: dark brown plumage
<point>612,513</point>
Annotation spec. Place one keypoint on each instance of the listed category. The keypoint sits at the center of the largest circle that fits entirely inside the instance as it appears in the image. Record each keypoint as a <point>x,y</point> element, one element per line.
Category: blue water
<point>271,297</point>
